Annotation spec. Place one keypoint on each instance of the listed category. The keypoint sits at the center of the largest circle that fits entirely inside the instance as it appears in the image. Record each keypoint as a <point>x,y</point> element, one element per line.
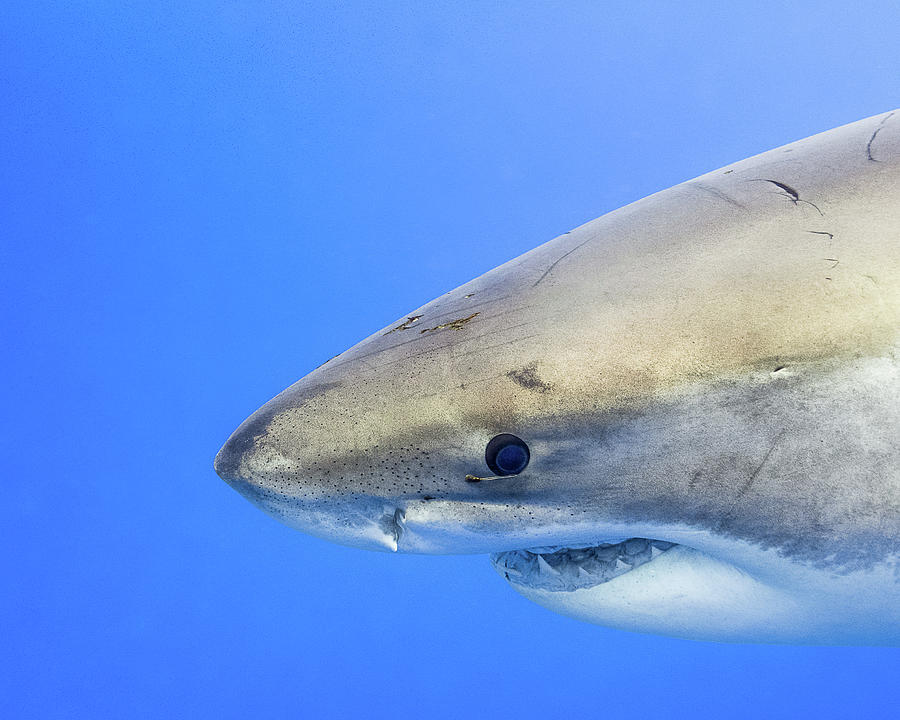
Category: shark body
<point>706,383</point>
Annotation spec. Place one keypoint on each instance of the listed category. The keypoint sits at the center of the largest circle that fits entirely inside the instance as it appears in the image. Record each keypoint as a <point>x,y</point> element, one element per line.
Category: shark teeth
<point>563,568</point>
<point>545,567</point>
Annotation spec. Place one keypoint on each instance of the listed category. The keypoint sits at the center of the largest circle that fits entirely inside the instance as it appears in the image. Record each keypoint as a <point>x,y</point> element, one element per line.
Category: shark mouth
<point>574,568</point>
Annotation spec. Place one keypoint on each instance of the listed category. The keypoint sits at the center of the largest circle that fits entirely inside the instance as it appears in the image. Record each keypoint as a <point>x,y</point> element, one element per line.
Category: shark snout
<point>234,457</point>
<point>228,460</point>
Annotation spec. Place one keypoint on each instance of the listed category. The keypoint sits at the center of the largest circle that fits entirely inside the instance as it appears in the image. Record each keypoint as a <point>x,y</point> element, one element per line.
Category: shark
<point>680,418</point>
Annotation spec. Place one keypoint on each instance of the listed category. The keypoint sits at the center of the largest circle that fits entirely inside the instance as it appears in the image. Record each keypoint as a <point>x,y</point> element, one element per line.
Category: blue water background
<point>201,202</point>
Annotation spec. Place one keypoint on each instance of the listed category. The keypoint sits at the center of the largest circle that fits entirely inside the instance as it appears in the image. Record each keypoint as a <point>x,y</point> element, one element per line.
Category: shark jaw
<point>650,586</point>
<point>695,584</point>
<point>558,568</point>
<point>726,592</point>
<point>679,591</point>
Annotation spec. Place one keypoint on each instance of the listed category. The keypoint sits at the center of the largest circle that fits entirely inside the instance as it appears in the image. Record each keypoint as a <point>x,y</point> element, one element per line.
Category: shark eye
<point>507,455</point>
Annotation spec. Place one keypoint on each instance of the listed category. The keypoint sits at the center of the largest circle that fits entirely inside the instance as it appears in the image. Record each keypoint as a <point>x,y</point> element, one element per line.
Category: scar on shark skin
<point>405,325</point>
<point>789,193</point>
<point>874,134</point>
<point>452,325</point>
<point>745,487</point>
<point>560,259</point>
<point>718,193</point>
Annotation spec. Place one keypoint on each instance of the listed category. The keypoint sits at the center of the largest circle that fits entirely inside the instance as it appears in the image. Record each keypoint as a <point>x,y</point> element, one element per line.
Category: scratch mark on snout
<point>715,192</point>
<point>746,486</point>
<point>560,259</point>
<point>821,232</point>
<point>874,135</point>
<point>405,325</point>
<point>793,194</point>
<point>789,192</point>
<point>748,483</point>
<point>457,324</point>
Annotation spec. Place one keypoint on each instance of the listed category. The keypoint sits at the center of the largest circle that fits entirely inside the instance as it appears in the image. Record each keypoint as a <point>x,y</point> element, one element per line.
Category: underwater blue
<point>201,202</point>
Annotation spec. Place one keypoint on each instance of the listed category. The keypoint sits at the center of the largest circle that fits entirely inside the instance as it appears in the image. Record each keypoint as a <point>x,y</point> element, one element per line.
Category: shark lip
<point>392,525</point>
<point>558,568</point>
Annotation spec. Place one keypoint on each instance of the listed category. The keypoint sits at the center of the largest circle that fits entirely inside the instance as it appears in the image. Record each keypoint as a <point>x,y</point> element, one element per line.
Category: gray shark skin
<point>708,381</point>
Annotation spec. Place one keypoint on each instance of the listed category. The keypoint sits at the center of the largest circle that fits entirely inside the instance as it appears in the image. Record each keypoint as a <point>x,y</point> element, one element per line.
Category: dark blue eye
<point>507,455</point>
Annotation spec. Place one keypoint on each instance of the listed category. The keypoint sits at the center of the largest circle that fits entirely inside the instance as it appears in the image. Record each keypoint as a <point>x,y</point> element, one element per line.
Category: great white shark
<point>682,417</point>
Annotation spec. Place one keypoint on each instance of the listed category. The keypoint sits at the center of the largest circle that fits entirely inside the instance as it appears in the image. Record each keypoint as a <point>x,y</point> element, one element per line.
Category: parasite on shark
<point>680,418</point>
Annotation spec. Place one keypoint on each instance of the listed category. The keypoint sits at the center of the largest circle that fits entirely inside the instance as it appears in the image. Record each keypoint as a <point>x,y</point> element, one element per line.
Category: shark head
<point>646,422</point>
<point>387,445</point>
